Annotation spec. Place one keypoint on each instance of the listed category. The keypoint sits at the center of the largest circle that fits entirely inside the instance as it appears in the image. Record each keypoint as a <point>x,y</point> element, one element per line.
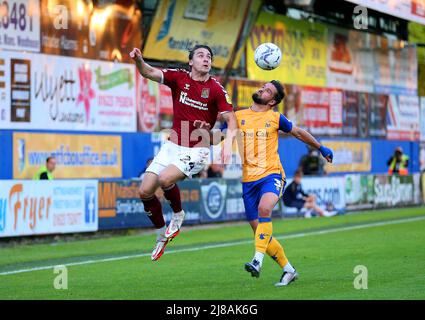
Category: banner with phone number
<point>47,207</point>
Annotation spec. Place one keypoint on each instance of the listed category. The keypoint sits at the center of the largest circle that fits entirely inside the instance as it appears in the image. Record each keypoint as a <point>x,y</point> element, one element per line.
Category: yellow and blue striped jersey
<point>258,142</point>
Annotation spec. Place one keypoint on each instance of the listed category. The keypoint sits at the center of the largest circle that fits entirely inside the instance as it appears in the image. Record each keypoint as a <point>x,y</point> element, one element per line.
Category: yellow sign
<point>303,45</point>
<point>181,24</point>
<point>77,156</point>
<point>349,156</point>
<point>417,35</point>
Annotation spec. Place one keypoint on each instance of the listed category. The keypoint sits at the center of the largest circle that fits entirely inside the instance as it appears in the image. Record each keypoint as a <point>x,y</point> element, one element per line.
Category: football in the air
<point>267,56</point>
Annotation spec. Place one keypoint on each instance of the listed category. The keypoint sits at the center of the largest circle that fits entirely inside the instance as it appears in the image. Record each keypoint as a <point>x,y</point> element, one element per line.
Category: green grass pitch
<point>207,262</point>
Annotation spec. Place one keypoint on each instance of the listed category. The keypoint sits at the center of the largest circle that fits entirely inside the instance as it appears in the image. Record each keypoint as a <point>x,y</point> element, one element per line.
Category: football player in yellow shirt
<point>263,177</point>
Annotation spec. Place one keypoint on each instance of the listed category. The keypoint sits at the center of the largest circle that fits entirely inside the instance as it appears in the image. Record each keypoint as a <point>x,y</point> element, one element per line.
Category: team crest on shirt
<point>267,124</point>
<point>205,93</point>
<point>242,122</point>
<point>187,86</point>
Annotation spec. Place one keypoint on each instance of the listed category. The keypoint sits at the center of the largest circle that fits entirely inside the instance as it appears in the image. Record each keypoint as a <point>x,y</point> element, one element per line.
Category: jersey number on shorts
<point>278,184</point>
<point>191,165</point>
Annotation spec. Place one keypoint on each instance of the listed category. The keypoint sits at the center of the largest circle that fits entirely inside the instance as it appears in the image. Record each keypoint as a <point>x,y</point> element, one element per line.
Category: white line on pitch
<point>220,245</point>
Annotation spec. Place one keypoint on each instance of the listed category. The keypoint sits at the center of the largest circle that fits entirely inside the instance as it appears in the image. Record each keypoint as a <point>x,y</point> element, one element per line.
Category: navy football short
<point>253,191</point>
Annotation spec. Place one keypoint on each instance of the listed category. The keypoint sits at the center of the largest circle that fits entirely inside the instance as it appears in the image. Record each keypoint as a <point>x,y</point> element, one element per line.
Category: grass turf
<point>393,255</point>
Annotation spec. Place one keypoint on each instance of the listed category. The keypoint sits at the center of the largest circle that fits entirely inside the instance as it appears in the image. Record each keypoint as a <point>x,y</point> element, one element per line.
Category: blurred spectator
<point>215,171</point>
<point>422,158</point>
<point>295,197</point>
<point>398,163</point>
<point>46,172</point>
<point>312,164</point>
<point>142,173</point>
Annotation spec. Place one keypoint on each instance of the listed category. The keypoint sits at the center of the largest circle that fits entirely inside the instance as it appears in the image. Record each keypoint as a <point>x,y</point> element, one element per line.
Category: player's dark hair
<point>280,91</point>
<point>199,46</point>
<point>298,173</point>
<point>49,158</point>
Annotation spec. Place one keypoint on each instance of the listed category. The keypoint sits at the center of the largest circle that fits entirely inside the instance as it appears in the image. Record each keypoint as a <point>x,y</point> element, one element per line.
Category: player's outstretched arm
<point>307,138</point>
<point>145,69</point>
<point>232,127</point>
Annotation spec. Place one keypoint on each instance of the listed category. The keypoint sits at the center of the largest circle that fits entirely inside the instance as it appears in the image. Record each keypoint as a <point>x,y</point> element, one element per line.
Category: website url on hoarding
<point>64,157</point>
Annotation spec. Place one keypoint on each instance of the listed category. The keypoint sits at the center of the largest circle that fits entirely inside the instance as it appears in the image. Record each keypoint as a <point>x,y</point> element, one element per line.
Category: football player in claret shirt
<point>263,177</point>
<point>197,97</point>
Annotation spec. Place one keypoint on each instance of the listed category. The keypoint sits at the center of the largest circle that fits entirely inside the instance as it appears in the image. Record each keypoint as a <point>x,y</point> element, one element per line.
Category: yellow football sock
<point>275,250</point>
<point>263,234</point>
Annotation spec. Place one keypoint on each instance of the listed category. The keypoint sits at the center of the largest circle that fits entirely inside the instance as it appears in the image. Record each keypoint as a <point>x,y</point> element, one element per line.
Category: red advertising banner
<point>154,105</point>
<point>318,109</point>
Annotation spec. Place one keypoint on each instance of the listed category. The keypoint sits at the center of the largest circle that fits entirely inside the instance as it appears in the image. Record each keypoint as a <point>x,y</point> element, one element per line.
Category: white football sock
<point>259,257</point>
<point>288,268</point>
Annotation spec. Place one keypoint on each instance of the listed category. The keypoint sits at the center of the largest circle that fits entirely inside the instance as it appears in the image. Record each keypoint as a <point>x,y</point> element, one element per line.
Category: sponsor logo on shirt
<point>192,103</point>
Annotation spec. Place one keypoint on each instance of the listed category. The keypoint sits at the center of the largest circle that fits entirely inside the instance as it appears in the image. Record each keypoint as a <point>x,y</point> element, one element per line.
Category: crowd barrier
<point>204,201</point>
<point>71,206</point>
<point>218,200</point>
<point>83,155</point>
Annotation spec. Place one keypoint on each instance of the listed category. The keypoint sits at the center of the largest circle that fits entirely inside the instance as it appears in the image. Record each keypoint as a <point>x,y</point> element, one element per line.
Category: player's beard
<point>256,98</point>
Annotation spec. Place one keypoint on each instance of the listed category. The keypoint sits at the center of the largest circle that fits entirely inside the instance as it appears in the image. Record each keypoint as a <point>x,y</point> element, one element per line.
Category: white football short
<point>190,161</point>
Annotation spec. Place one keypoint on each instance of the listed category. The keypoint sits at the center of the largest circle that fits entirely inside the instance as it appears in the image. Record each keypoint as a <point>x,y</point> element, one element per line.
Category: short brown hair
<point>199,46</point>
<point>280,95</point>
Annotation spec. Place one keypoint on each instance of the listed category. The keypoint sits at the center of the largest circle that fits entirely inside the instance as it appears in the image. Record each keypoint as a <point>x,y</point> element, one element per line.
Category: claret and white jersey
<point>192,100</point>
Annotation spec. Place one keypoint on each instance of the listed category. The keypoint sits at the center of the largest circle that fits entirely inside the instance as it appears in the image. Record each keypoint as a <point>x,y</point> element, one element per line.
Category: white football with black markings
<point>268,56</point>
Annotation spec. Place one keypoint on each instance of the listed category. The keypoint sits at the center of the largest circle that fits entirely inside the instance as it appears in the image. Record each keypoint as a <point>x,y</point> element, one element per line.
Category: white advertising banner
<point>412,10</point>
<point>349,66</point>
<point>403,118</point>
<point>422,118</point>
<point>396,71</point>
<point>20,25</point>
<point>327,190</point>
<point>48,207</point>
<point>62,93</point>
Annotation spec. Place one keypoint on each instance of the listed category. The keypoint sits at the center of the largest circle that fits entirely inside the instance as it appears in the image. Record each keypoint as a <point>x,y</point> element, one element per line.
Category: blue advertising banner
<point>222,201</point>
<point>120,206</point>
<point>213,192</point>
<point>190,194</point>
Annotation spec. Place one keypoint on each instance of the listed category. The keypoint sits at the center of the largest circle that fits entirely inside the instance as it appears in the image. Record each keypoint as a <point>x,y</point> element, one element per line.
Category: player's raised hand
<point>136,54</point>
<point>326,153</point>
<point>202,125</point>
